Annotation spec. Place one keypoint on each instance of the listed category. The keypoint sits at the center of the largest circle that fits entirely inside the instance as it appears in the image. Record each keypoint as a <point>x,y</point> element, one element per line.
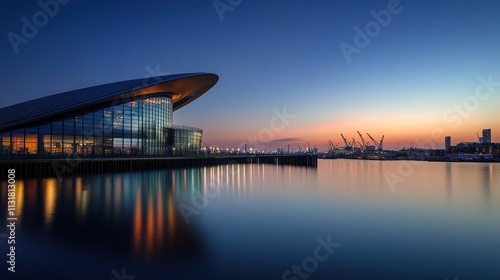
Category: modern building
<point>486,136</point>
<point>447,143</point>
<point>131,118</point>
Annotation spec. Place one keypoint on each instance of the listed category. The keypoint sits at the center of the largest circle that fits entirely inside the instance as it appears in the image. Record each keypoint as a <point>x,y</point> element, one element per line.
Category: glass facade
<point>184,140</point>
<point>138,128</point>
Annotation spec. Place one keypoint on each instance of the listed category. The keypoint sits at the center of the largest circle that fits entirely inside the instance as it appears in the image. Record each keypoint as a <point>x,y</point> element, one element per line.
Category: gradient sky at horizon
<point>275,54</point>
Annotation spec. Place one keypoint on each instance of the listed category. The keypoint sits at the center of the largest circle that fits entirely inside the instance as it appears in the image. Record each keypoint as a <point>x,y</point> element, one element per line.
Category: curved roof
<point>183,88</point>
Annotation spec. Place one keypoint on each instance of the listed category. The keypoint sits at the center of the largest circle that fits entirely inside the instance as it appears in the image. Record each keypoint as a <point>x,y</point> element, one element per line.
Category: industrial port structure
<point>356,148</point>
<point>482,150</point>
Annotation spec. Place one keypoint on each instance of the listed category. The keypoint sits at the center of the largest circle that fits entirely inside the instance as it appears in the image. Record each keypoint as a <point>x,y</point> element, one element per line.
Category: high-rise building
<point>487,136</point>
<point>447,143</point>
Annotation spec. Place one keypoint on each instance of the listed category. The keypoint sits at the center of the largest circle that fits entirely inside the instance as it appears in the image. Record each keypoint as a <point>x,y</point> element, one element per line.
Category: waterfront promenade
<point>76,166</point>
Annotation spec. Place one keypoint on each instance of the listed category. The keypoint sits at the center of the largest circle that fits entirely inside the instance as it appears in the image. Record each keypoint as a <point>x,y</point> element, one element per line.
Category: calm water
<point>437,221</point>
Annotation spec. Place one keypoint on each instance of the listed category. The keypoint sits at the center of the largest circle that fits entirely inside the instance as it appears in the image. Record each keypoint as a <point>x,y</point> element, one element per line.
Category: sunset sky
<point>432,70</point>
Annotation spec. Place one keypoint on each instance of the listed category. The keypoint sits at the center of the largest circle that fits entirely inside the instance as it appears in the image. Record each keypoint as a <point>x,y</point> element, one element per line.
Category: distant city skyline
<point>414,71</point>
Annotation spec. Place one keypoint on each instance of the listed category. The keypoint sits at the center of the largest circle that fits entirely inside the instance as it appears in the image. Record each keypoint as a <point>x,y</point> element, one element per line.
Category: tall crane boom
<point>362,140</point>
<point>353,142</point>
<point>381,146</point>
<point>345,141</point>
<point>374,142</point>
<point>331,147</point>
<point>479,138</point>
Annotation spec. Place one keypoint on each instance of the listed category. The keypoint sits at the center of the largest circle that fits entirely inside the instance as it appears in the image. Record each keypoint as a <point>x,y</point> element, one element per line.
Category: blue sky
<point>270,55</point>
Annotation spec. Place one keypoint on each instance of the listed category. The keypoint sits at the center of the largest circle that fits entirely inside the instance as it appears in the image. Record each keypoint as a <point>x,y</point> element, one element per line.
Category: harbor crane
<point>479,138</point>
<point>362,140</point>
<point>374,141</point>
<point>332,147</point>
<point>380,145</point>
<point>347,146</point>
<point>354,143</point>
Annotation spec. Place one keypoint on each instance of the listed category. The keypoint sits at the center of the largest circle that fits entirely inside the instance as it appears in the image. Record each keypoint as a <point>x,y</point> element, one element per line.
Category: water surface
<point>388,219</point>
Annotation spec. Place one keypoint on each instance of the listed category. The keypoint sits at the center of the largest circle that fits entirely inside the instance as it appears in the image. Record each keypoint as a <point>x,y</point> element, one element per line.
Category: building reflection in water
<point>137,212</point>
<point>149,221</point>
<point>49,203</point>
<point>20,200</point>
<point>449,181</point>
<point>488,181</point>
<point>482,177</point>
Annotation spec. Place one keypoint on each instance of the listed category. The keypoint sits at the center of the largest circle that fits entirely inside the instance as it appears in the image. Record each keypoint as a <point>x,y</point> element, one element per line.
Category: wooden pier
<point>78,166</point>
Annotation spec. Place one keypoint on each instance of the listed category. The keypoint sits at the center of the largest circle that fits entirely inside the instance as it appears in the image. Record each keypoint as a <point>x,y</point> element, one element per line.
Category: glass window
<point>118,121</point>
<point>98,132</point>
<point>6,148</point>
<point>118,126</point>
<point>31,141</point>
<point>45,138</point>
<point>127,128</point>
<point>18,142</point>
<point>69,136</point>
<point>88,134</point>
<point>79,125</point>
<point>107,142</point>
<point>57,130</point>
<point>108,122</point>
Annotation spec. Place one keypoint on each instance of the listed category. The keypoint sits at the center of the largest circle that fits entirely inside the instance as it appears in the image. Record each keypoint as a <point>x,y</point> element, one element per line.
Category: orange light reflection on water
<point>50,195</point>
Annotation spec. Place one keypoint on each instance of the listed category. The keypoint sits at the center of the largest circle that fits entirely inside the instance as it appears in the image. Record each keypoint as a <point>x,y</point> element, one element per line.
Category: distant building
<point>476,148</point>
<point>486,136</point>
<point>437,153</point>
<point>484,149</point>
<point>447,143</point>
